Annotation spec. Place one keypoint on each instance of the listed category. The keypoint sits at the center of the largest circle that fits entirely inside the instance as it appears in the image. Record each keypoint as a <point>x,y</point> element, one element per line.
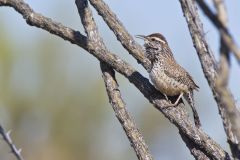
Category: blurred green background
<point>53,98</point>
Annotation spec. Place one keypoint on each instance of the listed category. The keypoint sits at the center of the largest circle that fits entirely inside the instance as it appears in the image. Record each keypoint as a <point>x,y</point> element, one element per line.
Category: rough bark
<point>225,101</point>
<point>177,115</point>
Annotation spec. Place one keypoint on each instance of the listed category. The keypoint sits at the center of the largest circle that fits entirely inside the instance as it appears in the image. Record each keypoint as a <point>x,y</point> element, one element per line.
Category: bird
<point>166,74</point>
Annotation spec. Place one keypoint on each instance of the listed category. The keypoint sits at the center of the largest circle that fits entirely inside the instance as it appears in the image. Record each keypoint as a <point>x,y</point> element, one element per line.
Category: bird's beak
<point>141,37</point>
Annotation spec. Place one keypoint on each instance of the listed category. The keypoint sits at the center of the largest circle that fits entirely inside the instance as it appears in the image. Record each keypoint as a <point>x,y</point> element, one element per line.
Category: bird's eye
<point>153,39</point>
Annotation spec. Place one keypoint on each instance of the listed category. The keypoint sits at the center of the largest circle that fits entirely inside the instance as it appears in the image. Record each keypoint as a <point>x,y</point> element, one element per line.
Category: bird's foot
<point>170,104</point>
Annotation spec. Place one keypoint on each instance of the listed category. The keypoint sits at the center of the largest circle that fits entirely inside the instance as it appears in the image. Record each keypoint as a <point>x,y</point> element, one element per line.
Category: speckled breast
<point>165,84</point>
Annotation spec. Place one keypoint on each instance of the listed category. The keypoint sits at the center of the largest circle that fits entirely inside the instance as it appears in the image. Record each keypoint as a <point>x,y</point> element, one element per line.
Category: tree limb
<point>177,115</point>
<point>115,99</point>
<point>133,134</point>
<point>210,68</point>
<point>121,33</point>
<point>222,81</point>
<point>227,37</point>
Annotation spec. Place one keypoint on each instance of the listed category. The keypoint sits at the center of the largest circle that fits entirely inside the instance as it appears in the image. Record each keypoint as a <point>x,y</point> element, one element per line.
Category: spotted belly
<point>167,85</point>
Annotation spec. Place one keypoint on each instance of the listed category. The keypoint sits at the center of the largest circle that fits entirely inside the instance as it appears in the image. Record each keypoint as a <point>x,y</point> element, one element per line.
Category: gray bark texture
<point>201,145</point>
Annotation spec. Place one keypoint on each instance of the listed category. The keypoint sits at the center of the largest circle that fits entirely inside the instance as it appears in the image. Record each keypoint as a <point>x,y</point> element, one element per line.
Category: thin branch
<point>177,115</point>
<point>209,66</point>
<point>133,134</point>
<point>115,99</point>
<point>222,81</point>
<point>7,138</point>
<point>224,50</point>
<point>121,33</point>
<point>227,37</point>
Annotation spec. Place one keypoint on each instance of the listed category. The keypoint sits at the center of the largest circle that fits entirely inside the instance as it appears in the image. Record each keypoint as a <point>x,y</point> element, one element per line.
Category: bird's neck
<point>162,56</point>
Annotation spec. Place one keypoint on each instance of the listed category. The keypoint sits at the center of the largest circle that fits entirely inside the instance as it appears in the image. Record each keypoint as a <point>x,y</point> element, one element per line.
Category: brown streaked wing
<point>178,73</point>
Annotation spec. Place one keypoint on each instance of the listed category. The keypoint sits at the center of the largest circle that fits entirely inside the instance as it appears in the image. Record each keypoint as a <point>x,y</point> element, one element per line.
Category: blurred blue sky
<point>139,17</point>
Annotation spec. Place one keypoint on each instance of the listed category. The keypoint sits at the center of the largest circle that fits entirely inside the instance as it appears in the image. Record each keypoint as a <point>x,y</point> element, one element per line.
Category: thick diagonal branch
<point>115,99</point>
<point>121,33</point>
<point>210,68</point>
<point>177,115</point>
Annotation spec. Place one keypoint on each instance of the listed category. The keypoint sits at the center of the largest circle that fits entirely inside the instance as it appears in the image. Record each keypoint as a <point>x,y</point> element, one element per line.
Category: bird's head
<point>154,44</point>
<point>155,40</point>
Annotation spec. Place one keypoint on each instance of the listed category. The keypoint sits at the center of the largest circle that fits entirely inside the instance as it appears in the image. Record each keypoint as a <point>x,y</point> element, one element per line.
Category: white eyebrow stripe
<point>159,39</point>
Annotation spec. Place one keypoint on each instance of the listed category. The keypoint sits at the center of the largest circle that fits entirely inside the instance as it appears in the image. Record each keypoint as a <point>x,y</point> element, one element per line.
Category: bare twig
<point>115,99</point>
<point>227,37</point>
<point>7,138</point>
<point>121,33</point>
<point>177,115</point>
<point>210,69</point>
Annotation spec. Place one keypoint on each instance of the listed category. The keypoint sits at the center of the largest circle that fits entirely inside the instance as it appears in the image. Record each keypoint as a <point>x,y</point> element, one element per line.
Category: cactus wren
<point>166,74</point>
